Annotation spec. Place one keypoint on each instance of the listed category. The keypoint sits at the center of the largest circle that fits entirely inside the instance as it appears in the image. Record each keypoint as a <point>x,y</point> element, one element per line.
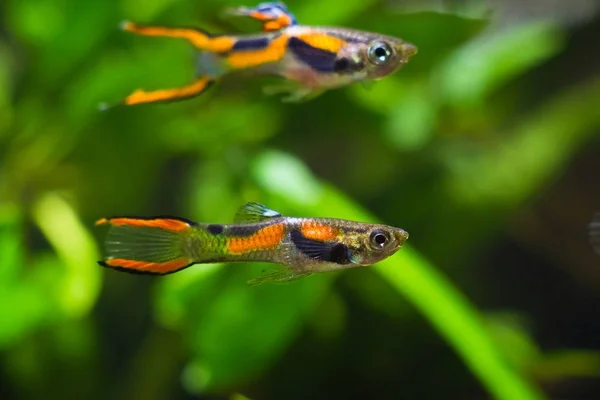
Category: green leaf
<point>490,61</point>
<point>534,152</point>
<point>74,245</point>
<point>328,12</point>
<point>11,244</point>
<point>24,302</point>
<point>566,364</point>
<point>235,330</point>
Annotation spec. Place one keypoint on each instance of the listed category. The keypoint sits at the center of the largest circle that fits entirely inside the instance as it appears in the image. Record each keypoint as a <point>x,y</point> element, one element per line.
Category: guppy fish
<point>303,245</point>
<point>314,58</point>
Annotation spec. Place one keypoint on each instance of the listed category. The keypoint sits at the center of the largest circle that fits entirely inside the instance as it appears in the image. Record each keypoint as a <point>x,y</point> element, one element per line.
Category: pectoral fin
<point>278,276</point>
<point>293,93</point>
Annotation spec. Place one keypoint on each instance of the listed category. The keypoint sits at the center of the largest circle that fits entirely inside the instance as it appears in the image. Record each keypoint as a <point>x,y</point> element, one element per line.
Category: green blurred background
<point>485,148</point>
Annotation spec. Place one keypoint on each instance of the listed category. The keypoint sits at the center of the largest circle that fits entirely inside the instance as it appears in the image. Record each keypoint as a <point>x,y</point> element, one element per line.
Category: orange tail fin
<point>164,95</point>
<point>150,246</point>
<point>199,39</point>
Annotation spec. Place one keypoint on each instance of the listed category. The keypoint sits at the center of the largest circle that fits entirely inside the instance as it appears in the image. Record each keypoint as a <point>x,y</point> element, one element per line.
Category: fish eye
<point>379,52</point>
<point>379,239</point>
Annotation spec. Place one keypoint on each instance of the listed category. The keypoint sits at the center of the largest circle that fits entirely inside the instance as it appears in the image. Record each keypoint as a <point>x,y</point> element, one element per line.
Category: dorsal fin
<point>255,212</point>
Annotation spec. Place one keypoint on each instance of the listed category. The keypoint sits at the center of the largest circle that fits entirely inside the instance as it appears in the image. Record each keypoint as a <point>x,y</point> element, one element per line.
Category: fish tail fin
<point>194,89</point>
<point>150,246</point>
<point>200,39</point>
<point>203,41</point>
<point>594,232</point>
<point>210,64</point>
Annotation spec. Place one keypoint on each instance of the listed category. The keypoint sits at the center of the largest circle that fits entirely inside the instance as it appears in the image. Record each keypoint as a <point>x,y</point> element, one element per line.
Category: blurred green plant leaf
<point>566,364</point>
<point>10,243</point>
<point>234,330</point>
<point>506,173</point>
<point>80,285</point>
<point>320,12</point>
<point>517,346</point>
<point>515,343</point>
<point>409,107</point>
<point>489,61</point>
<point>24,303</point>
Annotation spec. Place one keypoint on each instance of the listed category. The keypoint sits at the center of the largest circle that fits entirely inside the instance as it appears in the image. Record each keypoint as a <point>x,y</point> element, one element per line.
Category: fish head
<point>376,243</point>
<point>370,56</point>
<point>383,55</point>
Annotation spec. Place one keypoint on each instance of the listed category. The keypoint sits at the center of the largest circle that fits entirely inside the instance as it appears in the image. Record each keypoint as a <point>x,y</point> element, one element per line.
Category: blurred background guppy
<point>303,245</point>
<point>485,147</point>
<point>312,59</point>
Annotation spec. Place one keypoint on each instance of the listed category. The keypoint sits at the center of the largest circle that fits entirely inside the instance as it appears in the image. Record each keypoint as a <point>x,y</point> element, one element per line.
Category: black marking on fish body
<point>344,65</point>
<point>317,250</point>
<point>341,65</point>
<point>243,230</point>
<point>215,229</point>
<point>340,254</point>
<point>318,59</point>
<point>251,44</point>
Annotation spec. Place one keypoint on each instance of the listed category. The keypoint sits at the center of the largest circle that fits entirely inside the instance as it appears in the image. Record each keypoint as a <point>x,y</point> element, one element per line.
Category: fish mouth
<point>401,236</point>
<point>406,51</point>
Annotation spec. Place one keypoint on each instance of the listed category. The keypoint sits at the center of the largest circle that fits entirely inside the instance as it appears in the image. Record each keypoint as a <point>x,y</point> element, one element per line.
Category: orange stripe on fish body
<point>272,53</point>
<point>323,41</point>
<point>316,231</point>
<point>267,238</point>
<point>145,266</point>
<point>162,223</point>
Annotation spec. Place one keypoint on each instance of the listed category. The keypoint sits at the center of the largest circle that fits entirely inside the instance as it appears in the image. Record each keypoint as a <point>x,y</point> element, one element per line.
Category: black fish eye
<point>379,52</point>
<point>379,239</point>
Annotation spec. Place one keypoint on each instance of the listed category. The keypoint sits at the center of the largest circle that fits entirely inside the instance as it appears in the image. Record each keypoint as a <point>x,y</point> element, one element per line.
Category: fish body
<point>315,58</point>
<point>303,245</point>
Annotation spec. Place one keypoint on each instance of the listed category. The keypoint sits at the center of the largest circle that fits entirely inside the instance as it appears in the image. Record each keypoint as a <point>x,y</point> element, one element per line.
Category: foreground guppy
<point>313,59</point>
<point>303,245</point>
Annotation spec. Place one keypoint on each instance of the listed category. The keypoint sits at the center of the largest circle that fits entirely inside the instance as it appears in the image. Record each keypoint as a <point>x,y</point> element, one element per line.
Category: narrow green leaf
<point>76,248</point>
<point>489,61</point>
